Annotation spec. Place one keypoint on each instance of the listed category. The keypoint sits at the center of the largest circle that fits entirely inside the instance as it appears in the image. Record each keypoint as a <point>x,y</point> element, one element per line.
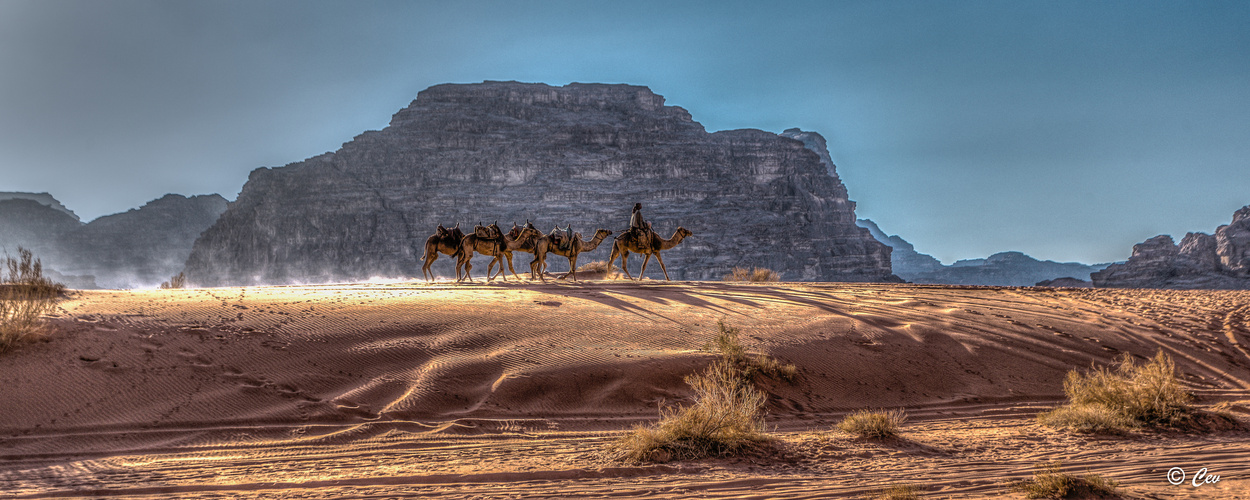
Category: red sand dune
<point>514,389</point>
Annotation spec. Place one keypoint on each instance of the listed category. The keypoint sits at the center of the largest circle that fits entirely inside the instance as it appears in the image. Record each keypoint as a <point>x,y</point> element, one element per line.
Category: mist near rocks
<point>1065,130</point>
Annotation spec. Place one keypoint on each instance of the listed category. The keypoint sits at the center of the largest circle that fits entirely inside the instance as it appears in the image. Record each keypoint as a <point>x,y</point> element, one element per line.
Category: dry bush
<point>897,492</point>
<point>1132,395</point>
<point>599,268</point>
<point>873,424</point>
<point>727,343</point>
<point>758,274</point>
<point>178,281</point>
<point>1093,418</point>
<point>726,419</point>
<point>1050,482</point>
<point>27,271</point>
<point>25,296</point>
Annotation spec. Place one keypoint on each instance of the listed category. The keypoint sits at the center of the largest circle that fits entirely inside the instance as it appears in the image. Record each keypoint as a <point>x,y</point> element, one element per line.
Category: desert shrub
<point>873,424</point>
<point>897,492</point>
<point>727,343</point>
<point>1050,482</point>
<point>1132,395</point>
<point>599,268</point>
<point>177,281</point>
<point>27,271</point>
<point>25,296</point>
<point>1089,418</point>
<point>725,419</point>
<point>759,274</point>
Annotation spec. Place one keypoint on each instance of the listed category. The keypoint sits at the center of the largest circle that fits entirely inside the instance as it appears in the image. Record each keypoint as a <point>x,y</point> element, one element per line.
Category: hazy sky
<point>1066,130</point>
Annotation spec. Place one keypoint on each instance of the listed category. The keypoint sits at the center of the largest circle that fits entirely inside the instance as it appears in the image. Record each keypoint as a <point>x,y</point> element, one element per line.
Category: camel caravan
<point>492,242</point>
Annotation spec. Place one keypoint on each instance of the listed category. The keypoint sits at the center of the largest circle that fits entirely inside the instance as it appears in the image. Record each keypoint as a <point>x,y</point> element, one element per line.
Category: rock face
<point>580,154</point>
<point>1201,261</point>
<point>138,248</point>
<point>1000,269</point>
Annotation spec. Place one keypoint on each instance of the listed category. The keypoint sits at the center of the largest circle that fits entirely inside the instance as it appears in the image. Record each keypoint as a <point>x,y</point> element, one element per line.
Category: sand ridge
<point>273,375</point>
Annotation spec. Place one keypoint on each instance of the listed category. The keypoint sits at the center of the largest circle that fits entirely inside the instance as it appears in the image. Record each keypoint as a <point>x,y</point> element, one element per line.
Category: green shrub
<point>873,424</point>
<point>1050,482</point>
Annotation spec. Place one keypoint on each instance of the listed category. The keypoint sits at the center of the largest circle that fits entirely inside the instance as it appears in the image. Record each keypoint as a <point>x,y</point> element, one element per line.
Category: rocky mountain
<point>904,260</point>
<point>507,151</point>
<point>1000,269</point>
<point>1201,261</point>
<point>41,198</point>
<point>137,248</point>
<point>31,224</point>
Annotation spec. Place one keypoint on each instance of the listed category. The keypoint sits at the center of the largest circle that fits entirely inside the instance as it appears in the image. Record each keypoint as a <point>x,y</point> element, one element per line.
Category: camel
<point>632,242</point>
<point>494,247</point>
<point>444,241</point>
<point>526,245</point>
<point>575,248</point>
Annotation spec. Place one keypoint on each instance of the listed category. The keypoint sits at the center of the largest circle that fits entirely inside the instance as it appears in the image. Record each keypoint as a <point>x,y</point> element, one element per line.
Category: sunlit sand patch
<point>401,387</point>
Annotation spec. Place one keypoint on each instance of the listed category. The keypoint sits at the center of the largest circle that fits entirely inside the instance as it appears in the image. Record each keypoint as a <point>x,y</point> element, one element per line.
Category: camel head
<point>683,232</point>
<point>603,232</point>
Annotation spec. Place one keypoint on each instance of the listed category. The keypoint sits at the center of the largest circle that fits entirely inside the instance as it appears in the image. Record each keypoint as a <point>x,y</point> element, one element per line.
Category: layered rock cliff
<point>580,154</point>
<point>1201,261</point>
<point>137,248</point>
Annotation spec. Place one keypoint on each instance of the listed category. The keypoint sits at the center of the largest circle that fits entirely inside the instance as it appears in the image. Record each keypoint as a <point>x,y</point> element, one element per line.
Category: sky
<point>1068,130</point>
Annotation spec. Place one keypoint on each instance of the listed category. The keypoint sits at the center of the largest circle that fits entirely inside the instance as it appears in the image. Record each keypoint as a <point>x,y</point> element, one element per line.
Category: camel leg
<point>645,260</point>
<point>573,267</point>
<point>536,269</point>
<point>612,257</point>
<point>661,261</point>
<point>499,258</point>
<point>468,264</point>
<point>425,268</point>
<point>625,264</point>
<point>509,257</point>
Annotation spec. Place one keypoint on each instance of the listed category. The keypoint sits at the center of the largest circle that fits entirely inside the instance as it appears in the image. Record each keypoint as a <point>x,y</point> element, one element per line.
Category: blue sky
<point>1066,130</point>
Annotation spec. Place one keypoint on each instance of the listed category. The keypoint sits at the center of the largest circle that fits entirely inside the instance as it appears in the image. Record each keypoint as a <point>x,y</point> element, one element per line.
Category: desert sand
<point>515,390</point>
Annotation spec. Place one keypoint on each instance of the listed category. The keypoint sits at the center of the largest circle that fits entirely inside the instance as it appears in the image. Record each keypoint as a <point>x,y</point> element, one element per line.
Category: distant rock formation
<point>1201,261</point>
<point>33,225</point>
<point>1066,282</point>
<point>1000,269</point>
<point>42,198</point>
<point>137,248</point>
<point>507,151</point>
<point>904,260</point>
